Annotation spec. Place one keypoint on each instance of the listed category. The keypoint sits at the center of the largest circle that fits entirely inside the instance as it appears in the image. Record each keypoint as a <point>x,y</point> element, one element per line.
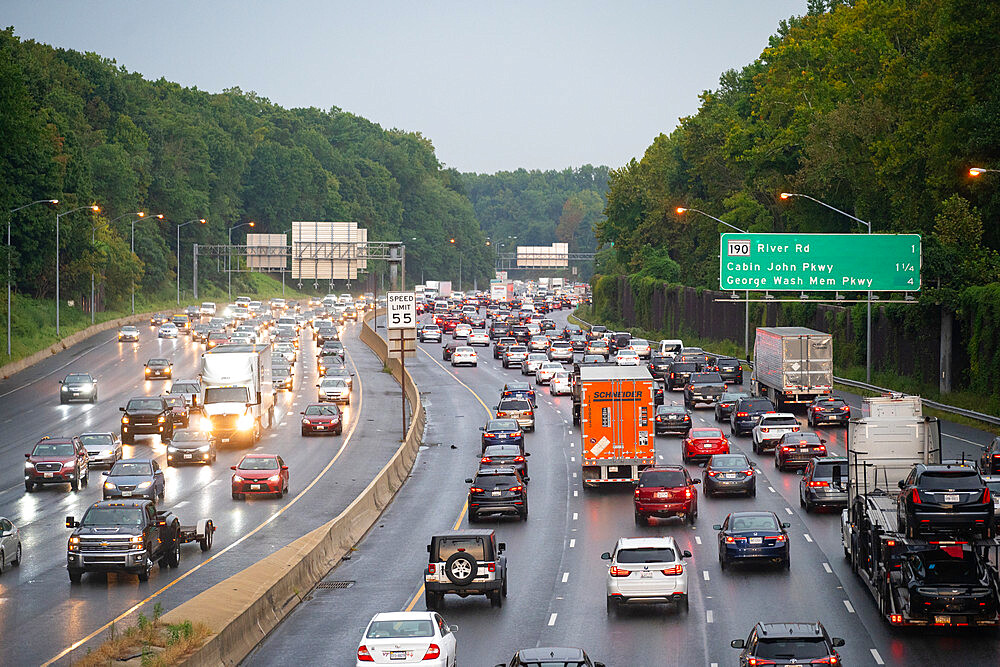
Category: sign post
<point>401,324</point>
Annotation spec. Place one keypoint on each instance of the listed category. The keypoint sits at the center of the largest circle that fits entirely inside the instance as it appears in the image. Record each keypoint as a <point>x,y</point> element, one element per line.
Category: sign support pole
<point>402,387</point>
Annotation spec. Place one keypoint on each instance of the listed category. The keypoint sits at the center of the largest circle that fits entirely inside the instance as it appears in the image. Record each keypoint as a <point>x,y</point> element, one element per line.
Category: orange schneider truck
<point>616,423</point>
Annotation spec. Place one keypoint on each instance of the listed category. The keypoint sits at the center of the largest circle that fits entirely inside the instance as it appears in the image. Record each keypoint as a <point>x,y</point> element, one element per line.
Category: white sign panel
<point>401,310</point>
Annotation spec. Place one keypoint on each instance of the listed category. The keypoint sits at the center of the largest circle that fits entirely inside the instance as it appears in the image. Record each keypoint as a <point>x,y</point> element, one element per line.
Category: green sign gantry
<point>820,262</point>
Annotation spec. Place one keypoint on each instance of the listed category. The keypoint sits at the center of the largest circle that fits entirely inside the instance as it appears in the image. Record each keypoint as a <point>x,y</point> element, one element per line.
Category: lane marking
<point>771,489</point>
<point>565,577</point>
<point>572,543</point>
<point>576,494</point>
<point>697,539</point>
<point>826,566</point>
<point>709,616</point>
<point>878,658</point>
<point>788,510</point>
<point>572,459</point>
<point>180,504</point>
<point>343,446</point>
<point>481,402</point>
<point>850,609</point>
<point>807,536</point>
<point>704,573</point>
<point>552,619</point>
<point>575,516</point>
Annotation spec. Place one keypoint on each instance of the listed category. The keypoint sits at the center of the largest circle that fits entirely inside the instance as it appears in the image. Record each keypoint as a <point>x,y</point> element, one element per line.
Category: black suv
<point>147,415</point>
<point>679,374</point>
<point>944,497</point>
<point>497,491</point>
<point>464,563</point>
<point>778,643</point>
<point>745,414</point>
<point>544,656</point>
<point>730,369</point>
<point>501,344</point>
<point>659,364</point>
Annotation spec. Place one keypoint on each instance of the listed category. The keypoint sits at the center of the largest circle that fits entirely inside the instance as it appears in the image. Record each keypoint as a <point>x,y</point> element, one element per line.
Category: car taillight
<point>821,449</point>
<point>529,413</point>
<point>818,484</point>
<point>475,489</point>
<point>687,418</point>
<point>516,434</point>
<point>516,489</point>
<point>364,655</point>
<point>784,448</point>
<point>756,662</point>
<point>433,652</point>
<point>618,572</point>
<point>916,497</point>
<point>501,414</point>
<point>986,495</point>
<point>846,408</point>
<point>795,429</point>
<point>712,473</point>
<point>671,376</point>
<point>687,492</point>
<point>730,539</point>
<point>748,471</point>
<point>659,419</point>
<point>519,459</point>
<point>485,459</point>
<point>674,569</point>
<point>742,414</point>
<point>779,538</point>
<point>431,568</point>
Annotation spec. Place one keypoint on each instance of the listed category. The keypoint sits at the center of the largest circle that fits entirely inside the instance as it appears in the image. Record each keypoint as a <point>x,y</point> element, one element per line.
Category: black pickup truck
<point>703,388</point>
<point>129,536</point>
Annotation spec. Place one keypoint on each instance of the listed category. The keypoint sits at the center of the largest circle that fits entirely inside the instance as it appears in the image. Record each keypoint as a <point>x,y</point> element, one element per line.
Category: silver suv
<point>465,562</point>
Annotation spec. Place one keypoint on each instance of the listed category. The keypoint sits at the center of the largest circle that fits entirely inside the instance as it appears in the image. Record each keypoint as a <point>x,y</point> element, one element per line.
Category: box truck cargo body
<point>237,397</point>
<point>616,423</point>
<point>792,364</point>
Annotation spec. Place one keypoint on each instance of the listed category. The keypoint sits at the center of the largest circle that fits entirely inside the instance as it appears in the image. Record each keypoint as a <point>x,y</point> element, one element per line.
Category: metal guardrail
<point>970,414</point>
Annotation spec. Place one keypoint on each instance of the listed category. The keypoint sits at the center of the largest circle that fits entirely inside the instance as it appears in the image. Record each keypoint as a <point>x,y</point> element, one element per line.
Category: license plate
<point>662,494</point>
<point>187,456</point>
<point>397,655</point>
<point>48,475</point>
<point>256,487</point>
<point>225,440</point>
<point>756,540</point>
<point>612,468</point>
<point>75,394</point>
<point>645,575</point>
<point>495,493</point>
<point>729,476</point>
<point>803,449</point>
<point>942,619</point>
<point>952,498</point>
<point>126,494</point>
<point>320,428</point>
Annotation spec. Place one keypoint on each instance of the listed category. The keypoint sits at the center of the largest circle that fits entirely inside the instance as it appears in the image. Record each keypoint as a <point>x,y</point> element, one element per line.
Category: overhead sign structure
<point>401,310</point>
<point>820,262</point>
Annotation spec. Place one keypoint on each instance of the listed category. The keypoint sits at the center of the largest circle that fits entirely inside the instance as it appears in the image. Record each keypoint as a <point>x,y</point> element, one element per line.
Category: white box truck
<point>237,399</point>
<point>792,364</point>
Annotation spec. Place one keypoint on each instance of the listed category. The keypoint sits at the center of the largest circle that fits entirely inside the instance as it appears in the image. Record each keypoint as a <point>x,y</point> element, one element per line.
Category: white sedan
<point>167,330</point>
<point>561,383</point>
<point>646,570</point>
<point>464,356</point>
<point>408,638</point>
<point>479,337</point>
<point>546,371</point>
<point>627,358</point>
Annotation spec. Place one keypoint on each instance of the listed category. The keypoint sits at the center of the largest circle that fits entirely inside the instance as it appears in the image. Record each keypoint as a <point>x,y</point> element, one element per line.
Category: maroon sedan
<point>322,418</point>
<point>259,474</point>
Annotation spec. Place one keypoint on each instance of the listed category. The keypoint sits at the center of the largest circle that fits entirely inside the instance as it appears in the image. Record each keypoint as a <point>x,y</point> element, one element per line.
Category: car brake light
<point>431,568</point>
<point>748,471</point>
<point>618,572</point>
<point>687,492</point>
<point>779,538</point>
<point>475,489</point>
<point>529,413</point>
<point>795,429</point>
<point>516,434</point>
<point>364,655</point>
<point>485,459</point>
<point>671,375</point>
<point>674,569</point>
<point>846,408</point>
<point>916,497</point>
<point>742,414</point>
<point>986,495</point>
<point>433,652</point>
<point>519,459</point>
<point>784,448</point>
<point>730,539</point>
<point>818,483</point>
<point>516,489</point>
<point>659,419</point>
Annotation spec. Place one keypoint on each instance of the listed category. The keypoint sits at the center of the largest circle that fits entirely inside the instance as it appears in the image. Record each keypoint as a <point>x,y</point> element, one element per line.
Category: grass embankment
<point>33,321</point>
<point>153,642</point>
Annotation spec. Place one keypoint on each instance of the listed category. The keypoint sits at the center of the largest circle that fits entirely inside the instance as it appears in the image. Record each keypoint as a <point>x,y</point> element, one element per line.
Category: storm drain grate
<point>333,585</point>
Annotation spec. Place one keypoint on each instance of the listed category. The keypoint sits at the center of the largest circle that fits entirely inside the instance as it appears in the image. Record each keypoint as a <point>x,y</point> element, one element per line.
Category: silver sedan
<point>10,544</point>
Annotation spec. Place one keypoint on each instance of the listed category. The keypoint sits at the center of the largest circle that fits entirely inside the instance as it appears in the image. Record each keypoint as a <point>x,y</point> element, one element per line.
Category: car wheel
<point>86,478</point>
<point>612,606</point>
<point>174,557</point>
<point>682,604</point>
<point>75,485</point>
<point>753,490</point>
<point>432,600</point>
<point>236,496</point>
<point>29,486</point>
<point>788,563</point>
<point>640,519</point>
<point>146,570</point>
<point>304,433</point>
<point>692,517</point>
<point>722,561</point>
<point>75,576</point>
<point>17,556</point>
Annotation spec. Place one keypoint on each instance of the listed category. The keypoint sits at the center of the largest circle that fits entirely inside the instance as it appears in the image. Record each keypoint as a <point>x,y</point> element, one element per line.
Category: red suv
<point>665,491</point>
<point>703,443</point>
<point>57,461</point>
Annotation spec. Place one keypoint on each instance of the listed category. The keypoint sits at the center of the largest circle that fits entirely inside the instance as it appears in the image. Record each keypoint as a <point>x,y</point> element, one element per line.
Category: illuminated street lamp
<point>202,221</point>
<point>158,216</point>
<point>92,207</point>
<point>976,171</point>
<point>10,250</point>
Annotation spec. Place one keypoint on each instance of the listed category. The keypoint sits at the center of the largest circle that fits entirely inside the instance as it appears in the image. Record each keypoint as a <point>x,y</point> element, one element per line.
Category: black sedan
<point>828,410</point>
<point>753,537</point>
<point>191,447</point>
<point>159,367</point>
<point>78,387</point>
<point>724,406</point>
<point>672,419</point>
<point>730,473</point>
<point>502,432</point>
<point>746,413</point>
<point>134,478</point>
<point>506,456</point>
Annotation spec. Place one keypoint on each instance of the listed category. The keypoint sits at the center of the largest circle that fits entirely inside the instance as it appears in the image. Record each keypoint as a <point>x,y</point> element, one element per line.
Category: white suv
<point>646,570</point>
<point>769,429</point>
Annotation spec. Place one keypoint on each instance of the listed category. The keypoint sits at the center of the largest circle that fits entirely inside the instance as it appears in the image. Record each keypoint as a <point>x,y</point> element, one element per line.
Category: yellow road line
<point>485,407</point>
<point>77,644</point>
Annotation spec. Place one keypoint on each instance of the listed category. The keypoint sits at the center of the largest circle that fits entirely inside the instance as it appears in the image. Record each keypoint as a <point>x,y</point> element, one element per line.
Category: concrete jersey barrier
<point>244,608</point>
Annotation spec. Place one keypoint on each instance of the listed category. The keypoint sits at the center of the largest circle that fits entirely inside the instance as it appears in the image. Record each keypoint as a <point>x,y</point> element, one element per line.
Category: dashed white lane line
<point>565,577</point>
<point>661,457</point>
<point>571,432</point>
<point>704,573</point>
<point>576,494</point>
<point>709,616</point>
<point>878,658</point>
<point>826,566</point>
<point>850,607</point>
<point>575,516</point>
<point>574,474</point>
<point>181,504</point>
<point>697,539</point>
<point>572,458</point>
<point>572,543</point>
<point>808,537</point>
<point>788,510</point>
<point>552,619</point>
<point>771,489</point>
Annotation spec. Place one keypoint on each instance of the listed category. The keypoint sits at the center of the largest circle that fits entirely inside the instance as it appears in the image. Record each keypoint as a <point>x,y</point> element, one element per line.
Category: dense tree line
<point>540,207</point>
<point>79,128</point>
<point>877,107</point>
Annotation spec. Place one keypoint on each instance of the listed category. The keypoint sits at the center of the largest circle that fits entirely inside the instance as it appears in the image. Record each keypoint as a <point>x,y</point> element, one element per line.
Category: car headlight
<point>237,478</point>
<point>65,388</point>
<point>306,421</point>
<point>124,419</point>
<point>110,486</point>
<point>28,465</point>
<point>274,478</point>
<point>136,541</point>
<point>204,448</point>
<point>145,485</point>
<point>74,543</point>
<point>245,422</point>
<point>105,452</point>
<point>161,419</point>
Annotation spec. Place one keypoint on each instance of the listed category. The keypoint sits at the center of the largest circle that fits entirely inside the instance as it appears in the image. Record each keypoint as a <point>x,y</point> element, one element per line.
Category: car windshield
<point>78,377</point>
<point>803,648</point>
<point>778,421</point>
<point>662,478</point>
<point>129,329</point>
<point>131,468</point>
<point>646,555</point>
<point>333,383</point>
<point>713,378</point>
<point>96,439</point>
<point>501,425</point>
<point>947,565</point>
<point>324,410</point>
<point>53,449</point>
<point>184,388</point>
<point>402,629</point>
<point>157,362</point>
<point>684,367</point>
<point>448,546</point>
<point>225,395</point>
<point>959,480</point>
<point>706,433</point>
<point>826,470</point>
<point>757,404</point>
<point>175,401</point>
<point>502,450</point>
<point>730,461</point>
<point>490,482</point>
<point>514,405</point>
<point>112,516</point>
<point>801,439</point>
<point>279,373</point>
<point>831,403</point>
<point>739,523</point>
<point>730,396</point>
<point>144,404</point>
<point>258,463</point>
<point>670,410</point>
<point>191,436</point>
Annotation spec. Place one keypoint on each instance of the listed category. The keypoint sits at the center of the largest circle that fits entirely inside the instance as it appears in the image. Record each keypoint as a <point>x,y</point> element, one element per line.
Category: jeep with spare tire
<point>464,563</point>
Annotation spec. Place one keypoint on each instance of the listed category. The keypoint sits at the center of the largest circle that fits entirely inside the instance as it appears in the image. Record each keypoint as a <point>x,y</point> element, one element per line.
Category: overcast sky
<point>494,85</point>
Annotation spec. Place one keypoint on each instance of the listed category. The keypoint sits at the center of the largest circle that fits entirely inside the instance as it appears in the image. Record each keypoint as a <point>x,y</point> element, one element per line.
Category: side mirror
<point>302,412</point>
<point>599,664</point>
<point>27,456</point>
<point>453,628</point>
<point>468,480</point>
<point>717,527</point>
<point>104,473</point>
<point>482,428</point>
<point>232,467</point>
<point>696,481</point>
<point>900,484</point>
<point>352,374</point>
<point>838,642</point>
<point>822,440</point>
<point>606,555</point>
<point>428,548</point>
<point>527,453</point>
<point>121,408</point>
<point>71,522</point>
<point>284,467</point>
<point>60,381</point>
<point>737,643</point>
<point>786,525</point>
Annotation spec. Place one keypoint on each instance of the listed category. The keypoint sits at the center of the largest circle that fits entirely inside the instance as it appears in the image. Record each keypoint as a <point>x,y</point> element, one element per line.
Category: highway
<point>39,606</point>
<point>556,577</point>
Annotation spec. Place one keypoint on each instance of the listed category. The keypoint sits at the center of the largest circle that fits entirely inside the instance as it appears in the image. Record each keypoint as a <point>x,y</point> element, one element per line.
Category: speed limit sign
<point>401,310</point>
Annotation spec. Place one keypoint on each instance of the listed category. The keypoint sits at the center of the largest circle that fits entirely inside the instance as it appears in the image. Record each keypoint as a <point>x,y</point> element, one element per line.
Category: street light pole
<point>202,221</point>
<point>452,241</point>
<point>92,207</point>
<point>868,333</point>
<point>141,217</point>
<point>746,310</point>
<point>10,250</point>
<point>229,257</point>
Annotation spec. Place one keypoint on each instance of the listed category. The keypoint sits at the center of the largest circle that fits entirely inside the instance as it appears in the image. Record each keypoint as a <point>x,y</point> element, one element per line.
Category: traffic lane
<point>206,493</point>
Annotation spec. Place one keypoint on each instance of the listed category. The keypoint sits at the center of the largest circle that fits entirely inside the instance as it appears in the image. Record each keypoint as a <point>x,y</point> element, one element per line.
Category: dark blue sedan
<point>134,478</point>
<point>753,536</point>
<point>502,432</point>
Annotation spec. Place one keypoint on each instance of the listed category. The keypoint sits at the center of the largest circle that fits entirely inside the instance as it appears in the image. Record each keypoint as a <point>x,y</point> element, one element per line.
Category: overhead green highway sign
<point>820,262</point>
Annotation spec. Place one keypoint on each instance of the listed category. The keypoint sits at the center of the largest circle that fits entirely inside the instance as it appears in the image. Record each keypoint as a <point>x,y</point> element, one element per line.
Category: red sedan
<point>322,418</point>
<point>260,474</point>
<point>703,443</point>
